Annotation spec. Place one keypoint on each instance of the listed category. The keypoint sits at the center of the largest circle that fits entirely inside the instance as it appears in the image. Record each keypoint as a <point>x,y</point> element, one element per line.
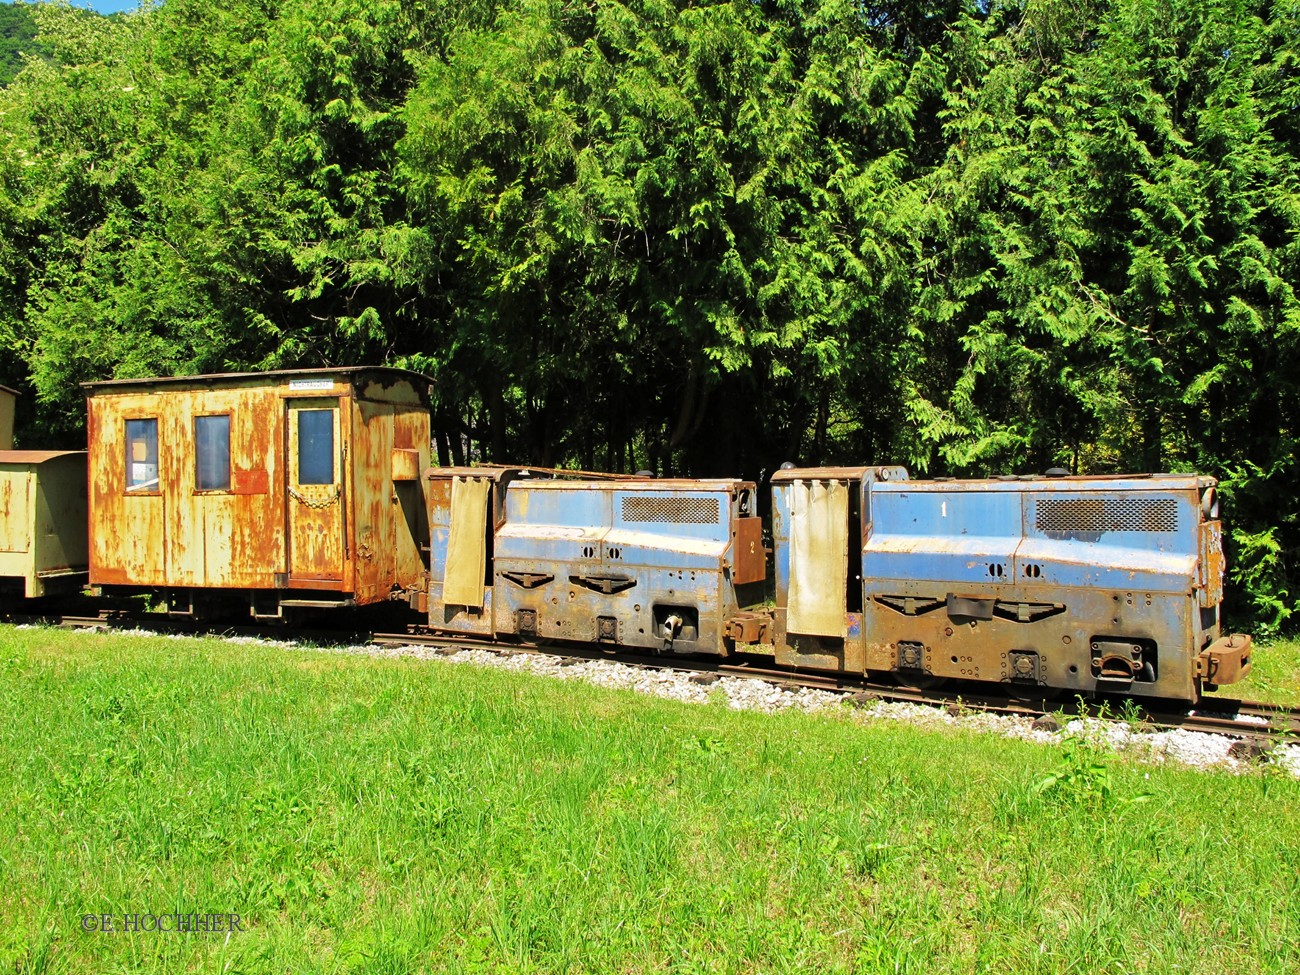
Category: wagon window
<point>142,456</point>
<point>212,453</point>
<point>315,446</point>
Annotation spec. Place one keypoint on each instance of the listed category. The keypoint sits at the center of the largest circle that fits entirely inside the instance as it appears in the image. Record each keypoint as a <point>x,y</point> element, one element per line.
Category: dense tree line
<point>698,237</point>
<point>17,40</point>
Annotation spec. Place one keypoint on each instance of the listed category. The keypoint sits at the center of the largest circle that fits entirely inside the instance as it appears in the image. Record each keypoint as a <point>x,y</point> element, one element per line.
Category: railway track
<point>1248,720</point>
<point>1222,716</point>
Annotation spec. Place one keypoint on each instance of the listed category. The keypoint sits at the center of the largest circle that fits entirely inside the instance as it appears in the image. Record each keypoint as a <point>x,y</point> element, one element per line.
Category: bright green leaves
<point>700,237</point>
<point>672,167</point>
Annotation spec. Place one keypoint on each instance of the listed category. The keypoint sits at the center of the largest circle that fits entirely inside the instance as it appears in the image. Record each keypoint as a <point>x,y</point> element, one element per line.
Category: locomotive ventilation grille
<point>676,511</point>
<point>1107,515</point>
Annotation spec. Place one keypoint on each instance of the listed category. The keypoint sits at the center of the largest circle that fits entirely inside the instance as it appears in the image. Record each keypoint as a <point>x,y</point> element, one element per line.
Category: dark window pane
<point>212,453</point>
<point>315,446</point>
<point>142,455</point>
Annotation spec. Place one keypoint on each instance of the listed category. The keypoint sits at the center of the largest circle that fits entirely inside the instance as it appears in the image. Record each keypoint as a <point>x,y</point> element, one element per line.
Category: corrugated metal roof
<point>217,378</point>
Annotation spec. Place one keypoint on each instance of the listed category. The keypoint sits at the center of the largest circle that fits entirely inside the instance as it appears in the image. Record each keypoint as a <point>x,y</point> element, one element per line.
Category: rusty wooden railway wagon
<point>283,490</point>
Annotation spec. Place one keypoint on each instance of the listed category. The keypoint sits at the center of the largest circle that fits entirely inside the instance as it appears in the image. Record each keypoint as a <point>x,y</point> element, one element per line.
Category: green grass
<point>367,815</point>
<point>1274,675</point>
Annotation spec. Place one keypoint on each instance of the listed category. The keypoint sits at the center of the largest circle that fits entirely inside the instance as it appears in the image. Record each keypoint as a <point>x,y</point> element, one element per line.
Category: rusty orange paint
<point>264,526</point>
<point>749,560</point>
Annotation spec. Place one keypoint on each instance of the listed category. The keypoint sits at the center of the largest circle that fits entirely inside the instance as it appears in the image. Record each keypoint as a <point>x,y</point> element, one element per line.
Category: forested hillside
<point>17,38</point>
<point>703,238</point>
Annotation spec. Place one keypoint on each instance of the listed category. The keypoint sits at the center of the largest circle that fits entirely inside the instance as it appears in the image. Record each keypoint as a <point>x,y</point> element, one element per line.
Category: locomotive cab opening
<point>821,539</point>
<point>821,518</point>
<point>463,514</point>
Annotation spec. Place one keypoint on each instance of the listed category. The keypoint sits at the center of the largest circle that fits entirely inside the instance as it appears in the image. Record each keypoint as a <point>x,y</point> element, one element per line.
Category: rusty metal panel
<point>59,530</point>
<point>389,449</point>
<point>405,464</point>
<point>250,482</point>
<point>749,560</point>
<point>411,436</point>
<point>370,521</point>
<point>463,582</point>
<point>225,538</point>
<point>126,530</point>
<point>1225,661</point>
<point>17,484</point>
<point>179,535</point>
<point>819,539</point>
<point>1211,564</point>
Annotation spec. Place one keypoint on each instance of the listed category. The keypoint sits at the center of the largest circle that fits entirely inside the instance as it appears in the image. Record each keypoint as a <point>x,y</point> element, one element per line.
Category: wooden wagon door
<point>316,502</point>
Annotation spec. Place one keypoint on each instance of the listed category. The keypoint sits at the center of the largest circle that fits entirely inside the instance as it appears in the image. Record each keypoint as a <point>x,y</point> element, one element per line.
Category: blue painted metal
<point>640,563</point>
<point>1107,583</point>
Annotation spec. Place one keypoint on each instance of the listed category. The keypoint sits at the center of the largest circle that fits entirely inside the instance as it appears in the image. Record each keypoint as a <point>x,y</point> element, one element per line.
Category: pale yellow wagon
<point>42,515</point>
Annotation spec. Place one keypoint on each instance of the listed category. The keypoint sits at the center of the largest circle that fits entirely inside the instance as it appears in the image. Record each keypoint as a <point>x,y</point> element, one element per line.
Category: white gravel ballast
<point>1190,748</point>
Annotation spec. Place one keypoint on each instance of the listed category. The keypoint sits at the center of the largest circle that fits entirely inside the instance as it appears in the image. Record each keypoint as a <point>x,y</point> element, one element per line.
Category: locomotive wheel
<point>922,682</point>
<point>1031,693</point>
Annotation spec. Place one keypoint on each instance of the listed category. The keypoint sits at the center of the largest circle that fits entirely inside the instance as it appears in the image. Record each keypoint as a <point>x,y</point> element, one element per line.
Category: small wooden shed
<point>299,488</point>
<point>42,520</point>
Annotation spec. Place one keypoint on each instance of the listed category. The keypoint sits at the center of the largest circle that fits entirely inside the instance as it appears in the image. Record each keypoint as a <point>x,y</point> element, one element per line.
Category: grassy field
<point>366,815</point>
<point>1274,675</point>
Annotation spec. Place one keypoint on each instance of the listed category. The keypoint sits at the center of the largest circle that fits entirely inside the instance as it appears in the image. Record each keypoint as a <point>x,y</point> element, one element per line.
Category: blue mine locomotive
<point>1087,584</point>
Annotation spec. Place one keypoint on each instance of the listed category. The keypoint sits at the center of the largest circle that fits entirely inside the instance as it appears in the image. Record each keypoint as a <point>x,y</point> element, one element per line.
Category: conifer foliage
<point>703,238</point>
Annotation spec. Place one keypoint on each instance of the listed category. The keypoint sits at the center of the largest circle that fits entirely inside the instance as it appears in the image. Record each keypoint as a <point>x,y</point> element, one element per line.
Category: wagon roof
<point>216,378</point>
<point>6,389</point>
<point>33,456</point>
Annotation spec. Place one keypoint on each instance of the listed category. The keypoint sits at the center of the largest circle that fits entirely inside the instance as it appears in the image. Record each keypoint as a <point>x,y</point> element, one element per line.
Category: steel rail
<point>1213,715</point>
<point>1248,720</point>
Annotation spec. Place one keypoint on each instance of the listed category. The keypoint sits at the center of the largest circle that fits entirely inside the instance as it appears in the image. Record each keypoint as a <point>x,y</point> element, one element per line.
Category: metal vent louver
<point>1076,515</point>
<point>676,511</point>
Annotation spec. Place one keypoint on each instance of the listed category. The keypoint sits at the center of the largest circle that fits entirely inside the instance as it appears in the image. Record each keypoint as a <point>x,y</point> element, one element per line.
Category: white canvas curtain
<point>462,584</point>
<point>819,558</point>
